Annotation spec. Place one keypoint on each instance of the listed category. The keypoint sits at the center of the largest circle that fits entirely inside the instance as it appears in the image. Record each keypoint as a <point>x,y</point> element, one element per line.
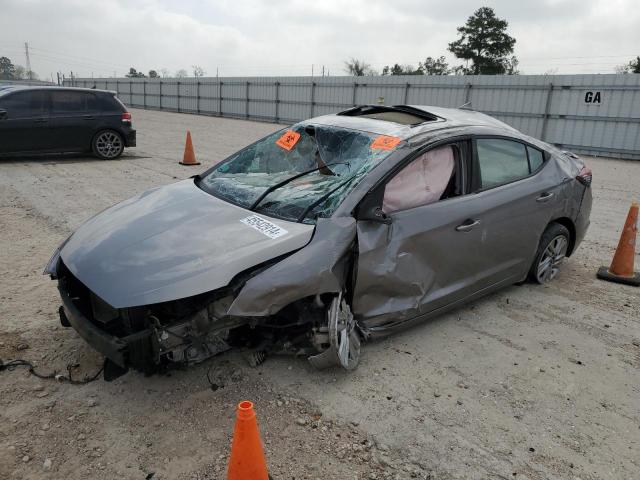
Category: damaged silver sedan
<point>318,237</point>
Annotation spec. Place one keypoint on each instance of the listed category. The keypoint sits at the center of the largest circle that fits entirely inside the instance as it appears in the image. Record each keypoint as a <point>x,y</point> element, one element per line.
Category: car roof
<point>435,118</point>
<point>6,89</point>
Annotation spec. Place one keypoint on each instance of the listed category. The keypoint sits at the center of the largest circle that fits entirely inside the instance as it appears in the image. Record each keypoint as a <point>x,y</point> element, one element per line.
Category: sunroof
<point>401,114</point>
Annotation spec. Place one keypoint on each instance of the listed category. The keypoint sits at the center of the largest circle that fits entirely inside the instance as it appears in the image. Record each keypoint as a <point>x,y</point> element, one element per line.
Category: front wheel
<point>107,145</point>
<point>551,253</point>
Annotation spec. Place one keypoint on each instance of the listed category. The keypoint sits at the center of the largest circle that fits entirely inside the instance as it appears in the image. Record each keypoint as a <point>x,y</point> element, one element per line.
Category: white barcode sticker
<point>265,227</point>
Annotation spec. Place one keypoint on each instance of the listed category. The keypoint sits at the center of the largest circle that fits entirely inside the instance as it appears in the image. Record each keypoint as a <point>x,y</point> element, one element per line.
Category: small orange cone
<point>247,460</point>
<point>621,269</point>
<point>189,157</point>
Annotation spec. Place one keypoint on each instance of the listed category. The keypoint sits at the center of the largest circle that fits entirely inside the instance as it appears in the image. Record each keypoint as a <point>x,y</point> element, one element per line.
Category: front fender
<point>319,267</point>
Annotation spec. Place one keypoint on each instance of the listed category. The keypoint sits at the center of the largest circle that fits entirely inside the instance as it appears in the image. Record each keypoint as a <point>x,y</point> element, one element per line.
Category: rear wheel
<point>551,253</point>
<point>107,145</point>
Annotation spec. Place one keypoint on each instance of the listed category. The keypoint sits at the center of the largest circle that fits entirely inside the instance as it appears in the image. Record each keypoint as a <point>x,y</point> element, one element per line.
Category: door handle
<point>467,225</point>
<point>41,120</point>
<point>545,197</point>
<point>88,117</point>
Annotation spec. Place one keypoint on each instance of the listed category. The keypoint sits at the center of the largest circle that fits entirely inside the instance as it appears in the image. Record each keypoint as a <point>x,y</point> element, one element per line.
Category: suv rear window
<point>66,101</point>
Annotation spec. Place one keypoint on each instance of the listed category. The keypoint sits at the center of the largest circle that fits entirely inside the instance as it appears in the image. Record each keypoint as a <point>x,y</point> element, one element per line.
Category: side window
<point>25,104</point>
<point>65,102</point>
<point>92,102</point>
<point>427,179</point>
<point>500,161</point>
<point>536,158</point>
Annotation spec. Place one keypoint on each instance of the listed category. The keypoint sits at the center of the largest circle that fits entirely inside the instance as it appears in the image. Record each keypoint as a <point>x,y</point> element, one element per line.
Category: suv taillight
<point>585,176</point>
<point>126,117</point>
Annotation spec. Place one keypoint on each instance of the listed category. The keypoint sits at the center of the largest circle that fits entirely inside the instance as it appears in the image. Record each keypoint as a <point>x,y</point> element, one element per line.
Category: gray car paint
<point>420,262</point>
<point>394,289</point>
<point>182,257</point>
<point>170,243</point>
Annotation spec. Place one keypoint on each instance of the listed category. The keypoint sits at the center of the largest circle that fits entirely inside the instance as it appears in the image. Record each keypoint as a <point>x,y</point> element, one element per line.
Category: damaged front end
<point>259,312</point>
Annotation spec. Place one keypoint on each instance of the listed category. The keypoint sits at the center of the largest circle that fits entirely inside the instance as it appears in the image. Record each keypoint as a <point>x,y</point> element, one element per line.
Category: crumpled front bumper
<point>134,351</point>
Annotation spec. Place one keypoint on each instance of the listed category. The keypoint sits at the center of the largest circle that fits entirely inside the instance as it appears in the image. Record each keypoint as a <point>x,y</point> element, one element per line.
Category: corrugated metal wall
<point>589,114</point>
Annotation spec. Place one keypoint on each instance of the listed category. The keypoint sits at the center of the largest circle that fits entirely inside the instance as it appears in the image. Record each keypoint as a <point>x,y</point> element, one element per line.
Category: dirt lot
<point>530,383</point>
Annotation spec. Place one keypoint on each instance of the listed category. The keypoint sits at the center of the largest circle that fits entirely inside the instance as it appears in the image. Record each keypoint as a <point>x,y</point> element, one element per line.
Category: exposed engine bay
<point>184,332</point>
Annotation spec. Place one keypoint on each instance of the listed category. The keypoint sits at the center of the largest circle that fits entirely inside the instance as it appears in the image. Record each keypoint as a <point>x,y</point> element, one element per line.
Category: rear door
<point>23,121</point>
<point>518,197</point>
<point>71,123</point>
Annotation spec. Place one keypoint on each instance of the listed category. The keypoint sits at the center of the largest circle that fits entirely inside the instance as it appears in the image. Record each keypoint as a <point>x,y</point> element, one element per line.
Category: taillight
<point>585,176</point>
<point>126,117</point>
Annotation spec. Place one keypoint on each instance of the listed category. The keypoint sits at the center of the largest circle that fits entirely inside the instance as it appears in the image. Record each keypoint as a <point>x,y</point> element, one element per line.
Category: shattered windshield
<point>298,174</point>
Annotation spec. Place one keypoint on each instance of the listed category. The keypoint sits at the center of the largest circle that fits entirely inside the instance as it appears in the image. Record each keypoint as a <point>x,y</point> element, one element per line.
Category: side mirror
<point>374,214</point>
<point>3,114</point>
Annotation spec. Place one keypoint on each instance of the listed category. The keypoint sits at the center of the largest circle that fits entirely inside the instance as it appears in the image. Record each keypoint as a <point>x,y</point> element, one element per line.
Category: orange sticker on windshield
<point>288,140</point>
<point>384,142</point>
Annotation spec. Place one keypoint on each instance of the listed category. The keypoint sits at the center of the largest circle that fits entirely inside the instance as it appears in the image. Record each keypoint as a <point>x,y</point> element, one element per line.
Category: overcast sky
<point>285,37</point>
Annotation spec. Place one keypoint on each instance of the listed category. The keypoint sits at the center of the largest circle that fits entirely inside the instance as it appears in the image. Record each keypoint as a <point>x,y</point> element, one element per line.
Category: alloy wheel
<point>551,259</point>
<point>108,145</point>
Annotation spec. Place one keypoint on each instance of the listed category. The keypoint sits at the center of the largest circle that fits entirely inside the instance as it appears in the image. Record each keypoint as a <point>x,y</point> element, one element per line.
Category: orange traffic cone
<point>189,157</point>
<point>621,269</point>
<point>247,460</point>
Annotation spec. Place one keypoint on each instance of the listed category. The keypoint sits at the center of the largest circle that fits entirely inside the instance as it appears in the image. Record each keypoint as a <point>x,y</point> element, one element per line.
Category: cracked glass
<point>298,178</point>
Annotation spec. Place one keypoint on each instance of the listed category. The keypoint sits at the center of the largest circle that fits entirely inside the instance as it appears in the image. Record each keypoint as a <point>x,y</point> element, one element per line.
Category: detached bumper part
<point>136,351</point>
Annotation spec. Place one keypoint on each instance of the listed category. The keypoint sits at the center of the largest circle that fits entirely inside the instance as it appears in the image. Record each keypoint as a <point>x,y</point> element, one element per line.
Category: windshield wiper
<point>287,180</point>
<point>324,197</point>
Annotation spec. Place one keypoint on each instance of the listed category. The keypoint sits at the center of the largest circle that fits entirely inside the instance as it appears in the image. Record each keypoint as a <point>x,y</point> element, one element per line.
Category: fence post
<point>160,95</point>
<point>117,87</point>
<point>130,95</point>
<point>467,93</point>
<point>220,83</point>
<point>545,118</point>
<point>198,96</point>
<point>355,90</point>
<point>178,92</point>
<point>406,92</point>
<point>144,93</point>
<point>313,97</point>
<point>246,100</point>
<point>277,84</point>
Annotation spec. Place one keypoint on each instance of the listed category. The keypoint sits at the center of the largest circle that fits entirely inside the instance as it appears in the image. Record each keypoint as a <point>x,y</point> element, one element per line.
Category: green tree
<point>153,74</point>
<point>484,40</point>
<point>632,67</point>
<point>398,69</point>
<point>7,69</point>
<point>133,73</point>
<point>435,66</point>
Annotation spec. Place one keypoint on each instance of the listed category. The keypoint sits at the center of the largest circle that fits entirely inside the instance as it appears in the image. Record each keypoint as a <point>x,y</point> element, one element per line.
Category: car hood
<point>173,242</point>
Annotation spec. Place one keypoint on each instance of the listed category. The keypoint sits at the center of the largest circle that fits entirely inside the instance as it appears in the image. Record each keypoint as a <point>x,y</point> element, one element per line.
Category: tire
<point>107,145</point>
<point>551,253</point>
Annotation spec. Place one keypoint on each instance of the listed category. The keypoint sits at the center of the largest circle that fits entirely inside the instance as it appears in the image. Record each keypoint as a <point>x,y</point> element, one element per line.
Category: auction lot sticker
<point>265,227</point>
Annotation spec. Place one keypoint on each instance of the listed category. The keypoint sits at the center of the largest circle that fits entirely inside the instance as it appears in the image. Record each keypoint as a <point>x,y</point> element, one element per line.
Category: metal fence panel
<point>590,114</point>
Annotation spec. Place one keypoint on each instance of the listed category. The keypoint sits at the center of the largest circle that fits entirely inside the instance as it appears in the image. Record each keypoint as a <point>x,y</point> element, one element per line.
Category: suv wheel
<point>551,253</point>
<point>107,145</point>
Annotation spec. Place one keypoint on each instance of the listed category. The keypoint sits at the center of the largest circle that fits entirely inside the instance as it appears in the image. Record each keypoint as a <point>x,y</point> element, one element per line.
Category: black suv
<point>57,119</point>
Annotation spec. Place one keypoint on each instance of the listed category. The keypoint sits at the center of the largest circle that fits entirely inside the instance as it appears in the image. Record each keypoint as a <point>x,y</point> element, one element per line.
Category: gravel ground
<point>532,382</point>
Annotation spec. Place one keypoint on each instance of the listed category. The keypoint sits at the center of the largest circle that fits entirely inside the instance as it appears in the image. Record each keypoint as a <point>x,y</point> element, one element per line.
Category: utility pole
<point>27,61</point>
<point>312,69</point>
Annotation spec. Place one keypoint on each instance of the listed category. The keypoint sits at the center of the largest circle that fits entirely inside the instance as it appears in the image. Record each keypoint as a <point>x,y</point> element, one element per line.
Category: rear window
<point>536,158</point>
<point>66,101</point>
<point>501,161</point>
